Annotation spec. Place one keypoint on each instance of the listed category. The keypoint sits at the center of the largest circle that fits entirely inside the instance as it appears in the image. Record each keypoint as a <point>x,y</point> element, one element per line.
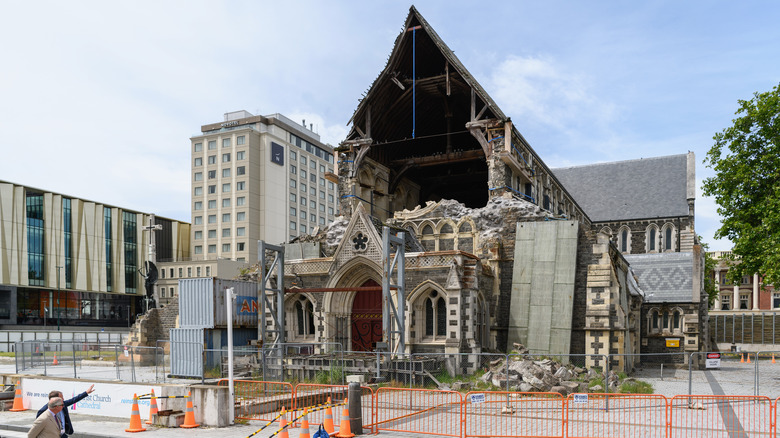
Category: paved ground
<point>733,378</point>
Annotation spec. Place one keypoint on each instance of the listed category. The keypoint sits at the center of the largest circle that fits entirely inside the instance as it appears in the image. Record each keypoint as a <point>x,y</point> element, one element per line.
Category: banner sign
<point>713,360</point>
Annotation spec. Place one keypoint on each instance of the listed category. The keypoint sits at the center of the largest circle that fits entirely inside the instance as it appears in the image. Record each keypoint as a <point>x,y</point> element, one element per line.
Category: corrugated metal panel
<point>187,352</point>
<point>196,303</point>
<point>202,303</point>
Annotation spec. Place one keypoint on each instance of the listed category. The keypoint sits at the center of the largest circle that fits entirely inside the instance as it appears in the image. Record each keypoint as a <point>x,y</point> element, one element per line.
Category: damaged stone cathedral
<point>500,249</point>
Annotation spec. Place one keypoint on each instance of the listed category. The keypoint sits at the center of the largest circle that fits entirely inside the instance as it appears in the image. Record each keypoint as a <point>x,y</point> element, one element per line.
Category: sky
<point>98,100</point>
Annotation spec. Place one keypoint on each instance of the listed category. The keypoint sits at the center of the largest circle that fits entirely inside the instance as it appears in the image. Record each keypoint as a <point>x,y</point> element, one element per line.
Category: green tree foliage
<point>746,186</point>
<point>709,274</point>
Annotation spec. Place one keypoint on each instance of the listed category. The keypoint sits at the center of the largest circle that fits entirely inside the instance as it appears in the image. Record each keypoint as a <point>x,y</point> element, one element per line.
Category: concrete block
<point>357,378</point>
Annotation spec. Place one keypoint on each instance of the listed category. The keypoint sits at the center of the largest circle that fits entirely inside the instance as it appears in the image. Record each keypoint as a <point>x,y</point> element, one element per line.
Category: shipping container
<point>202,303</point>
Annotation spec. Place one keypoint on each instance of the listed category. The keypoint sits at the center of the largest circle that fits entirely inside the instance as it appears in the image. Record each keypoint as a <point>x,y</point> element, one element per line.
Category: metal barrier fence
<point>425,411</point>
<point>513,414</point>
<point>615,415</point>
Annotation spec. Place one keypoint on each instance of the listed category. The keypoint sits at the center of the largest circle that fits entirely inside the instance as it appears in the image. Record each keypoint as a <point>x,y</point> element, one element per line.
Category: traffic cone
<point>55,361</point>
<point>742,358</point>
<point>773,358</point>
<point>189,416</point>
<point>304,426</point>
<point>18,405</point>
<point>345,430</point>
<point>135,418</point>
<point>283,426</point>
<point>748,355</point>
<point>328,423</point>
<point>152,409</point>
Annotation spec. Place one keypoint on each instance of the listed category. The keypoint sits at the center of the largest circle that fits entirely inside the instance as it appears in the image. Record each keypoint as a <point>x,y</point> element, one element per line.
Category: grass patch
<point>7,354</point>
<point>636,387</point>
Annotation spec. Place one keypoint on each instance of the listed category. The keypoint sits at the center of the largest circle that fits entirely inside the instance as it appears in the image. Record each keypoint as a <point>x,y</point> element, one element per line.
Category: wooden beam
<point>434,160</point>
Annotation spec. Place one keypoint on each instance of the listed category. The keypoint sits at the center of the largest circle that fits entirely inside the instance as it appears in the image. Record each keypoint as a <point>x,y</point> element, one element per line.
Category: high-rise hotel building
<point>257,178</point>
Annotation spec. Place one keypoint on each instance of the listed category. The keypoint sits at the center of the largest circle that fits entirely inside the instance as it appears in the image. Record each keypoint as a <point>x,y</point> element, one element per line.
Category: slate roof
<point>623,190</point>
<point>664,277</point>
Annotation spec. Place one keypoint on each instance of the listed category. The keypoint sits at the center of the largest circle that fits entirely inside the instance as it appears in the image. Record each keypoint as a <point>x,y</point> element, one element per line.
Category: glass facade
<point>75,308</point>
<point>35,247</point>
<point>107,237</point>
<point>131,251</point>
<point>67,227</point>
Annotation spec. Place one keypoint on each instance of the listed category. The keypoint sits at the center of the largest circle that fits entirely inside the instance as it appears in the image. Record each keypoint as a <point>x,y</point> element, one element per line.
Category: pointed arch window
<point>651,240</point>
<point>435,315</point>
<point>668,239</point>
<point>304,317</point>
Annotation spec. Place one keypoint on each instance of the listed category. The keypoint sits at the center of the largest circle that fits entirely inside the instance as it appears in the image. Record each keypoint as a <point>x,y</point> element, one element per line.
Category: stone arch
<point>668,238</point>
<point>425,298</point>
<point>302,318</point>
<point>652,239</point>
<point>624,239</point>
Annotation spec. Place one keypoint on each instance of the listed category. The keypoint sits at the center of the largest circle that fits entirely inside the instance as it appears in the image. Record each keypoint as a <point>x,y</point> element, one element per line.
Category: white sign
<point>580,398</point>
<point>127,353</point>
<point>477,398</point>
<point>108,399</point>
<point>713,360</point>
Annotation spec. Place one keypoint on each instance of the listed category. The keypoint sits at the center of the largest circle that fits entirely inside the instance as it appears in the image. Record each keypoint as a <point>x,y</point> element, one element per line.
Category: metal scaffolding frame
<point>390,314</point>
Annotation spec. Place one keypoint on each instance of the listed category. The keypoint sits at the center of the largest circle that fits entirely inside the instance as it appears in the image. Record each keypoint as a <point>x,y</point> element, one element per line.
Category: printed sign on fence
<point>580,398</point>
<point>713,360</point>
<point>477,398</point>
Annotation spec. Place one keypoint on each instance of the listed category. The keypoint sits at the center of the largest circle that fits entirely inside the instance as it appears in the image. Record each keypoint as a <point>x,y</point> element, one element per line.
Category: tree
<point>709,274</point>
<point>746,186</point>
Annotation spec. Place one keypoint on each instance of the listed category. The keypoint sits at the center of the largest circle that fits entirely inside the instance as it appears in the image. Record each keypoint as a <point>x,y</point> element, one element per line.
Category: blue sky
<point>98,99</point>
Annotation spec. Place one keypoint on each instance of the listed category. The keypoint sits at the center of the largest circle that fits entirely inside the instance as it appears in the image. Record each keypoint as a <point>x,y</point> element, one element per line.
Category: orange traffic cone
<point>345,430</point>
<point>282,433</point>
<point>18,405</point>
<point>135,418</point>
<point>55,361</point>
<point>748,355</point>
<point>328,423</point>
<point>152,408</point>
<point>304,426</point>
<point>189,416</point>
<point>773,358</point>
<point>742,358</point>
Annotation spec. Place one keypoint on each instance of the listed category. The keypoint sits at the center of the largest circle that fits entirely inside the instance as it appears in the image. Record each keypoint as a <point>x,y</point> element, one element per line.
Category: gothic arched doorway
<point>367,318</point>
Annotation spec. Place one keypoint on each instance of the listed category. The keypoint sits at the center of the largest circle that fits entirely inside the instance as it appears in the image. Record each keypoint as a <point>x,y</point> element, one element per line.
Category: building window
<point>303,187</point>
<point>212,145</point>
<point>226,202</point>
<point>303,228</point>
<point>162,273</point>
<point>208,271</point>
<point>322,168</point>
<point>322,194</point>
<point>322,207</point>
<point>197,271</point>
<point>293,225</point>
<point>225,158</point>
<point>240,231</point>
<point>651,239</point>
<point>181,272</point>
<point>312,204</point>
<point>330,185</point>
<point>313,178</point>
<point>241,185</point>
<point>212,174</point>
<point>240,246</point>
<point>330,210</point>
<point>199,235</point>
<point>212,249</point>
<point>198,176</point>
<point>212,234</point>
<point>226,217</point>
<point>293,197</point>
<point>746,280</point>
<point>435,315</point>
<point>776,300</point>
<point>198,249</point>
<point>293,170</point>
<point>313,217</point>
<point>189,271</point>
<point>240,155</point>
<point>240,170</point>
<point>725,302</point>
<point>303,214</point>
<point>198,147</point>
<point>225,142</point>
<point>322,182</point>
<point>743,301</point>
<point>212,218</point>
<point>303,160</point>
<point>131,251</point>
<point>676,321</point>
<point>198,220</point>
<point>240,201</point>
<point>199,205</point>
<point>293,211</point>
<point>226,232</point>
<point>655,321</point>
<point>226,188</point>
<point>240,140</point>
<point>303,201</point>
<point>293,183</point>
<point>667,237</point>
<point>212,159</point>
<point>303,174</point>
<point>225,247</point>
<point>624,240</point>
<point>313,164</point>
<point>212,204</point>
<point>198,161</point>
<point>225,173</point>
<point>304,315</point>
<point>212,189</point>
<point>198,191</point>
<point>240,216</point>
<point>322,220</point>
<point>293,155</point>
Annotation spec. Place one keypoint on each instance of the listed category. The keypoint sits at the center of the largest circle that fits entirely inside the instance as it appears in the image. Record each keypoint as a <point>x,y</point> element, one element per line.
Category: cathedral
<point>499,248</point>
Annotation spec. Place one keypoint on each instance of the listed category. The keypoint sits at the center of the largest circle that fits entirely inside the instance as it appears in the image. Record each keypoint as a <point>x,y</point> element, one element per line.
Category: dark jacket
<point>68,424</point>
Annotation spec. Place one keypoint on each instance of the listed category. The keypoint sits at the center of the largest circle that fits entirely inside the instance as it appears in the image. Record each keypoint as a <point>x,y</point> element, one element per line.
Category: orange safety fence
<point>259,400</point>
<point>424,411</point>
<point>309,395</point>
<point>615,415</point>
<point>513,414</point>
<point>721,416</point>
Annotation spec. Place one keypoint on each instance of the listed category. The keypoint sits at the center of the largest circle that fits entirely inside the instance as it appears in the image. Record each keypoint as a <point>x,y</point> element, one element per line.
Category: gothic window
<point>465,227</point>
<point>668,237</point>
<point>435,316</point>
<point>480,324</point>
<point>446,229</point>
<point>655,323</point>
<point>304,317</point>
<point>427,230</point>
<point>651,240</point>
<point>624,240</point>
<point>676,322</point>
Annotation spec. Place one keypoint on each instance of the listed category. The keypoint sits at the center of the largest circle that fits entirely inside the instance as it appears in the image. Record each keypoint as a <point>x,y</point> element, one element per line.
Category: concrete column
<point>716,306</point>
<point>735,298</point>
<point>755,292</point>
